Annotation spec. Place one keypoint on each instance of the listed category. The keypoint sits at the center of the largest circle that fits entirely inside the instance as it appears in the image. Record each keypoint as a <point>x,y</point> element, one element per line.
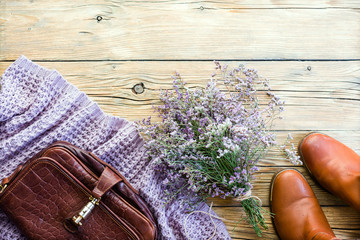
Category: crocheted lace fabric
<point>38,107</point>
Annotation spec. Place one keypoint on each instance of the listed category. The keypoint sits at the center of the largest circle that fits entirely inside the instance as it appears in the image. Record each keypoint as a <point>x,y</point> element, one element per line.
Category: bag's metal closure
<point>3,187</point>
<point>106,181</point>
<point>86,210</point>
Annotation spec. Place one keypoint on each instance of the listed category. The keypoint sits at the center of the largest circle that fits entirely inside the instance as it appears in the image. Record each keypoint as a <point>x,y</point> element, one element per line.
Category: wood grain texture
<point>309,105</point>
<point>227,4</point>
<point>69,30</point>
<point>315,100</point>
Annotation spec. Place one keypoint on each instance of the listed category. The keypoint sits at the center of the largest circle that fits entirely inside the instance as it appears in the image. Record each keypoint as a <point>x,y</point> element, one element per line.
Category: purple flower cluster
<point>210,139</point>
<point>291,152</point>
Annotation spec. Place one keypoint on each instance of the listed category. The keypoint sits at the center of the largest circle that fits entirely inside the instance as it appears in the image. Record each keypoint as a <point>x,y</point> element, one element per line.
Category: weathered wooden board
<point>227,4</point>
<point>336,79</point>
<point>316,99</point>
<point>69,30</point>
<point>309,105</point>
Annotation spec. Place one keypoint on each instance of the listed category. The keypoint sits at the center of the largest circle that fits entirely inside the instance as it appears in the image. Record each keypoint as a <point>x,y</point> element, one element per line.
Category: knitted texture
<point>38,107</point>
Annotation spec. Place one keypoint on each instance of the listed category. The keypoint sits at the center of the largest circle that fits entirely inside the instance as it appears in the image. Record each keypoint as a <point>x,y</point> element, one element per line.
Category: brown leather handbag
<point>67,193</point>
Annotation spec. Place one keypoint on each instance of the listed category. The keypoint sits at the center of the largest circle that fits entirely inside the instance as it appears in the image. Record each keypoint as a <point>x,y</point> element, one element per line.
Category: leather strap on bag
<point>107,180</point>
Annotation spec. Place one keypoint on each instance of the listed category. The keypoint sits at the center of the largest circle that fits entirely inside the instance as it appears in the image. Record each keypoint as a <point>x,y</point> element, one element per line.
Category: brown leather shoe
<point>335,166</point>
<point>298,214</point>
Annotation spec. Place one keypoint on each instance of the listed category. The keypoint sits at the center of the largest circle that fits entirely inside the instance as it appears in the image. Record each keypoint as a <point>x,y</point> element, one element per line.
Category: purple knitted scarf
<point>38,106</point>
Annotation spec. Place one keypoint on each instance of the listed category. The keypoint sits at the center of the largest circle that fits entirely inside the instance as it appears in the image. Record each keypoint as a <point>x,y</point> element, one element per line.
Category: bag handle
<point>106,181</point>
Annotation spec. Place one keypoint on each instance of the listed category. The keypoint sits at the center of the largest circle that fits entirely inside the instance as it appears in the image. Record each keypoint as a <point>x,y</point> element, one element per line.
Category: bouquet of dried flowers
<point>210,139</point>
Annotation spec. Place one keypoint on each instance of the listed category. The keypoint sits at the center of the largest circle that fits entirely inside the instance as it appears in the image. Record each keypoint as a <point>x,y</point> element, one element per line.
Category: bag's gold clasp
<point>3,187</point>
<point>86,210</point>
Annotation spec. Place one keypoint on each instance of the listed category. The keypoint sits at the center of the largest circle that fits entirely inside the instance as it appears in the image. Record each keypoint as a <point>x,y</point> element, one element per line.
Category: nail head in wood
<point>309,68</point>
<point>99,18</point>
<point>138,88</point>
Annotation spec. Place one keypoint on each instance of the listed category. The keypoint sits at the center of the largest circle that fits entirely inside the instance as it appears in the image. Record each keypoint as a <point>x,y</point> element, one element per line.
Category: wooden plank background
<point>309,49</point>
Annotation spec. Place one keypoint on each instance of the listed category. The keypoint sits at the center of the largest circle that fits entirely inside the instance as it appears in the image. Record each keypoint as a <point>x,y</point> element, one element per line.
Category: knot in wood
<point>138,88</point>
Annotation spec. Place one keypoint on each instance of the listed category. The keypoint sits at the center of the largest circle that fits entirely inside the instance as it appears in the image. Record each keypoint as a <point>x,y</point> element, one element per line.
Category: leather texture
<point>48,190</point>
<point>298,215</point>
<point>335,166</point>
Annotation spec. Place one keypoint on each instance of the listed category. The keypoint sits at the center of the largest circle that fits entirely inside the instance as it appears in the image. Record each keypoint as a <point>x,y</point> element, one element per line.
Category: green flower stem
<point>254,211</point>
